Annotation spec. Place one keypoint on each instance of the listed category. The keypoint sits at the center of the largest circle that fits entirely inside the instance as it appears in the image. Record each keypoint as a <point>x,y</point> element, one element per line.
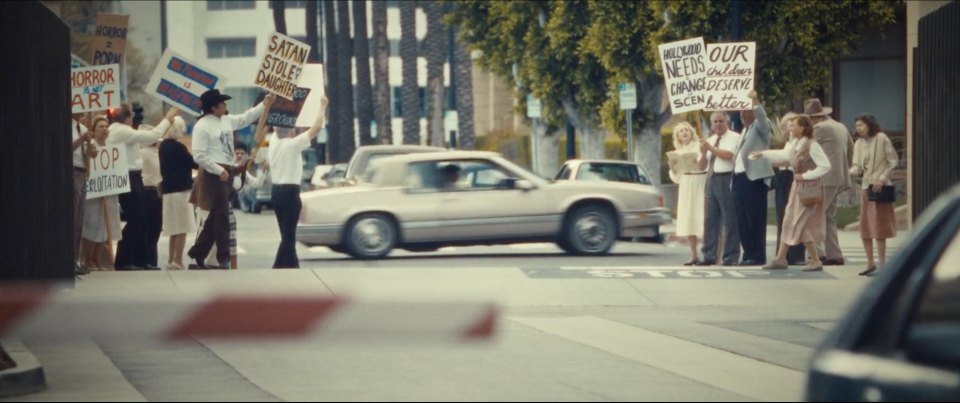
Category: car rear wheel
<point>370,236</point>
<point>590,230</point>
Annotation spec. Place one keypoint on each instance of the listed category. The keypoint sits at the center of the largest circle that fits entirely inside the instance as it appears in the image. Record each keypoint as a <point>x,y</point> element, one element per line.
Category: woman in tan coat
<point>874,158</point>
<point>802,224</point>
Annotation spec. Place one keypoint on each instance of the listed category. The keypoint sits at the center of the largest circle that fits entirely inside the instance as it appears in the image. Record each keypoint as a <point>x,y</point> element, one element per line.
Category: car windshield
<point>611,172</point>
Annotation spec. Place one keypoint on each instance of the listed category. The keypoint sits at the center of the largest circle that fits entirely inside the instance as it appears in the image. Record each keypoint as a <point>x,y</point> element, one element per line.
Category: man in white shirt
<point>132,248</point>
<point>213,152</point>
<point>716,157</point>
<point>285,157</point>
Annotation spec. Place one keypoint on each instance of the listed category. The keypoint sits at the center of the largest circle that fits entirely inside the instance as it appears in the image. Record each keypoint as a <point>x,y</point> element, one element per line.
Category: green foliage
<point>584,48</point>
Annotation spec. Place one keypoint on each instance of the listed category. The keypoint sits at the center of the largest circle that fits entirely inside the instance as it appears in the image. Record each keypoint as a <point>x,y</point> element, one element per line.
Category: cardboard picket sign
<point>312,79</point>
<point>110,39</point>
<point>108,172</point>
<point>94,88</point>
<point>730,75</point>
<point>180,82</point>
<point>284,113</point>
<point>282,65</point>
<point>685,72</point>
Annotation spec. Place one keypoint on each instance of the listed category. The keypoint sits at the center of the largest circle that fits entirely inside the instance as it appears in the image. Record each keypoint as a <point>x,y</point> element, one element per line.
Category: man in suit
<point>835,139</point>
<point>751,181</point>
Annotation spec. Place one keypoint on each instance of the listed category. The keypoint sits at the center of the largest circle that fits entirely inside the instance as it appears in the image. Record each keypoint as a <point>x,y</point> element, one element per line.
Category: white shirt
<point>728,142</point>
<point>816,152</point>
<point>124,134</point>
<point>151,166</point>
<point>77,154</point>
<point>213,138</point>
<point>286,159</point>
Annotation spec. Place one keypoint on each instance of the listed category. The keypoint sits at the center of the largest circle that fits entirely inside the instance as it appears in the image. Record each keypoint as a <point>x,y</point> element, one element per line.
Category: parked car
<point>319,178</point>
<point>421,202</point>
<point>899,342</point>
<point>365,156</point>
<point>603,170</point>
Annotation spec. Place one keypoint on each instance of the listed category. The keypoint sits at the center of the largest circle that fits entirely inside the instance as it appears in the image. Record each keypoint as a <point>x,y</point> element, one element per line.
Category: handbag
<point>888,193</point>
<point>809,192</point>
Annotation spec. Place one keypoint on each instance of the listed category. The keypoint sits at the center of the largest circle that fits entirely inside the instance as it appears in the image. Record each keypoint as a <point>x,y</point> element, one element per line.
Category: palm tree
<point>344,62</point>
<point>464,80</point>
<point>410,89</point>
<point>435,49</point>
<point>361,48</point>
<point>333,127</point>
<point>381,64</point>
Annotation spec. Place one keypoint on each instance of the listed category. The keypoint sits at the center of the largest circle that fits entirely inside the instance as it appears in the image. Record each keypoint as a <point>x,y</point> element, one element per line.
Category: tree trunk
<point>591,142</point>
<point>410,107</point>
<point>464,78</point>
<point>312,34</point>
<point>648,149</point>
<point>279,16</point>
<point>381,64</point>
<point>548,160</point>
<point>435,49</point>
<point>361,48</point>
<point>344,61</point>
<point>333,90</point>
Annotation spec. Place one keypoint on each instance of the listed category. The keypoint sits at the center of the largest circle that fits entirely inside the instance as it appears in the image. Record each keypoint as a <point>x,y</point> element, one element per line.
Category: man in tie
<point>751,183</point>
<point>716,157</point>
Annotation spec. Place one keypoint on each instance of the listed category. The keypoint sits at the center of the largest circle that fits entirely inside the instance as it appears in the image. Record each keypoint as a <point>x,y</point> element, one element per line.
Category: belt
<point>721,173</point>
<point>154,188</point>
<point>695,173</point>
<point>79,169</point>
<point>286,186</point>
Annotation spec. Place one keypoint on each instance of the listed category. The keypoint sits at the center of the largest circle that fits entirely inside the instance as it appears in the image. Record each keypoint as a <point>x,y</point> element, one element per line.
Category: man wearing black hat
<point>213,151</point>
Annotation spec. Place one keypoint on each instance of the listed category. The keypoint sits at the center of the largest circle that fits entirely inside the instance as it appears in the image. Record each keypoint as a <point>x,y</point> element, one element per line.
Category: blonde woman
<point>690,203</point>
<point>176,168</point>
<point>802,224</point>
<point>874,158</point>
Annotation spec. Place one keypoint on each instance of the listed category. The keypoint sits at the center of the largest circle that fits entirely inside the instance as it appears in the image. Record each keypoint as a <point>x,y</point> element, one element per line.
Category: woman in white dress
<point>803,224</point>
<point>98,214</point>
<point>690,200</point>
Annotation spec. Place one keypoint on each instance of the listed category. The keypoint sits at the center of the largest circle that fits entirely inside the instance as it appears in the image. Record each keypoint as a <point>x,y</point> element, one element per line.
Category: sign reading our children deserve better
<point>708,77</point>
<point>282,65</point>
<point>180,81</point>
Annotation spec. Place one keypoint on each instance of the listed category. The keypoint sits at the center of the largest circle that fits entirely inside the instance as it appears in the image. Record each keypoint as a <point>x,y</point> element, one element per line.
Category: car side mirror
<point>524,185</point>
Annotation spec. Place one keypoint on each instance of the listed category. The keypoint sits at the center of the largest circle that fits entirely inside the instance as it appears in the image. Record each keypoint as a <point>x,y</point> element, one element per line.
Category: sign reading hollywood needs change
<point>109,39</point>
<point>180,82</point>
<point>730,75</point>
<point>284,112</point>
<point>312,79</point>
<point>94,88</point>
<point>108,173</point>
<point>685,70</point>
<point>282,65</point>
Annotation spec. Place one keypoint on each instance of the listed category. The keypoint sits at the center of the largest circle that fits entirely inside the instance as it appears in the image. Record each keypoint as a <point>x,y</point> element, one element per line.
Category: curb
<point>26,377</point>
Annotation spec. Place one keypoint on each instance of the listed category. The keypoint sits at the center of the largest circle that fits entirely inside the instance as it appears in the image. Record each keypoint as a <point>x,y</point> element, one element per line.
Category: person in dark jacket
<point>176,169</point>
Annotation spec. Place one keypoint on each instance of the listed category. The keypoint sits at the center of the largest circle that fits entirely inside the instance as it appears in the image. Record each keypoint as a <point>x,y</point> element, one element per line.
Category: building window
<point>231,5</point>
<point>229,48</point>
<point>291,4</point>
<point>395,46</point>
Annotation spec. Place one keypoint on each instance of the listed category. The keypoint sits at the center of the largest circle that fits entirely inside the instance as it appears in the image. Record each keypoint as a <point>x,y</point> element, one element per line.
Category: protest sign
<point>685,71</point>
<point>284,113</point>
<point>108,172</point>
<point>282,65</point>
<point>109,39</point>
<point>730,75</point>
<point>312,78</point>
<point>180,82</point>
<point>94,88</point>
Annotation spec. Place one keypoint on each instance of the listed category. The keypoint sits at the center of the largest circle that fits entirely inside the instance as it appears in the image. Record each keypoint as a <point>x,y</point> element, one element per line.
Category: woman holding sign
<point>101,216</point>
<point>805,219</point>
<point>691,196</point>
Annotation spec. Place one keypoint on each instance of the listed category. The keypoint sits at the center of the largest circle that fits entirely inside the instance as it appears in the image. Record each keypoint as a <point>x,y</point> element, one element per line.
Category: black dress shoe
<point>751,263</point>
<point>691,262</point>
<point>129,268</point>
<point>833,262</point>
<point>703,263</point>
<point>151,267</point>
<point>869,271</point>
<point>729,263</point>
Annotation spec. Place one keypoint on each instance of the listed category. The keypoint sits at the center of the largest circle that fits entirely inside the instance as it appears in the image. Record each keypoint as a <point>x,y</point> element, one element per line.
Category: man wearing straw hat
<point>836,142</point>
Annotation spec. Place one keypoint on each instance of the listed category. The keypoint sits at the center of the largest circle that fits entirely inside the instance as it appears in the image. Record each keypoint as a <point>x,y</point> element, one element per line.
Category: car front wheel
<point>590,230</point>
<point>370,236</point>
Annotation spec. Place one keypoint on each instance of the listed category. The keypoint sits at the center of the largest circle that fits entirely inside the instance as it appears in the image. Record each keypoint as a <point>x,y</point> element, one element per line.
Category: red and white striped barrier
<point>31,313</point>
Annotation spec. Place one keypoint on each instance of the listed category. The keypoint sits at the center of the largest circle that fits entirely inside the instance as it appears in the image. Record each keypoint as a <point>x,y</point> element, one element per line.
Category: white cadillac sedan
<point>421,202</point>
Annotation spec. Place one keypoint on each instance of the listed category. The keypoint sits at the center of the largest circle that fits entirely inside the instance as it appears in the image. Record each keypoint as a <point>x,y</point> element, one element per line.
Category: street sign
<point>628,95</point>
<point>451,121</point>
<point>534,107</point>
